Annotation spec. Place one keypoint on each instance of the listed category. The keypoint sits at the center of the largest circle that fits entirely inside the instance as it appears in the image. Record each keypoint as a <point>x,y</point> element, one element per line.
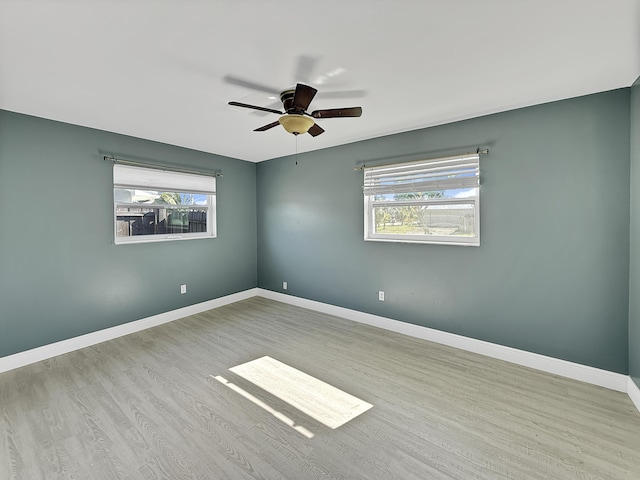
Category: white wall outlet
<point>183,289</point>
<point>381,296</point>
<point>284,285</point>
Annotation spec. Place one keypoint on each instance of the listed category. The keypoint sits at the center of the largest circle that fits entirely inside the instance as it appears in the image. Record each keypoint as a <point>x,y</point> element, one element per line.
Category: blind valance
<point>445,173</point>
<point>156,179</point>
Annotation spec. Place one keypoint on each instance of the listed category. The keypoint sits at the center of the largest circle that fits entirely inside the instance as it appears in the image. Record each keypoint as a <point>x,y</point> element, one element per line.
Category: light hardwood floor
<point>149,406</point>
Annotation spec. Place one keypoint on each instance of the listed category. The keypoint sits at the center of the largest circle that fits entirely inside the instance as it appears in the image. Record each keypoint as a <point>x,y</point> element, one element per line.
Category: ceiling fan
<point>295,118</point>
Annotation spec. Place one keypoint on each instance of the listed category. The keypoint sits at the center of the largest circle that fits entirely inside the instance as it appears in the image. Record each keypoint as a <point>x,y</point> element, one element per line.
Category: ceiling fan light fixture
<point>296,124</point>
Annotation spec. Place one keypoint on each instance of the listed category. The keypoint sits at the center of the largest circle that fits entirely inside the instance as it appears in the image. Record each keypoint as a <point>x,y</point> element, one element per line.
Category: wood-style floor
<point>149,406</point>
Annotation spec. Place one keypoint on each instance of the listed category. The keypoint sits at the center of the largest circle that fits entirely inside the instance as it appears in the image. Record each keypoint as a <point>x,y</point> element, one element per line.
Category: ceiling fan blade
<point>267,127</point>
<point>316,130</point>
<point>252,85</point>
<point>255,107</point>
<point>303,96</point>
<point>337,112</point>
<point>265,114</point>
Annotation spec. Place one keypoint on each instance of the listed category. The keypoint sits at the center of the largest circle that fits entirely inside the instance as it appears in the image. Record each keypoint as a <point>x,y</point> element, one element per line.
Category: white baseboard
<point>634,393</point>
<point>584,373</point>
<point>595,376</point>
<point>27,357</point>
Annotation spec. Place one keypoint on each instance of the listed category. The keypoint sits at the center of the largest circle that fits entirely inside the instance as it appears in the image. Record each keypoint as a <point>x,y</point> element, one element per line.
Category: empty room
<point>320,240</point>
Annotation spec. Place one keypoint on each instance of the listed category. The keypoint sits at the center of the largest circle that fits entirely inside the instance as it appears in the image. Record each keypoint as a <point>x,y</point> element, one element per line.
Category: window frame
<point>370,204</point>
<point>163,180</point>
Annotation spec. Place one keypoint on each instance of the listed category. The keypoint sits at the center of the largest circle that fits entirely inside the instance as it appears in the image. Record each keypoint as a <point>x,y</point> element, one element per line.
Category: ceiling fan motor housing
<point>287,101</point>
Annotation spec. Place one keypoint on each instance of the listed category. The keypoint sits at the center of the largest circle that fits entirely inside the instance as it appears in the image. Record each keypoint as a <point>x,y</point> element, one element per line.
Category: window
<point>428,201</point>
<point>154,205</point>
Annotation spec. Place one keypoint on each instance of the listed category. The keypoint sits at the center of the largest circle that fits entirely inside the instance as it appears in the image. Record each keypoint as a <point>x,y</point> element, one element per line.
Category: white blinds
<point>423,176</point>
<point>161,180</point>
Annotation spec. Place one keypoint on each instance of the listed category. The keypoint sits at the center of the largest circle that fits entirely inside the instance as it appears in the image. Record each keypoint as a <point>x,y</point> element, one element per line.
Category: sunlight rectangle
<point>323,402</point>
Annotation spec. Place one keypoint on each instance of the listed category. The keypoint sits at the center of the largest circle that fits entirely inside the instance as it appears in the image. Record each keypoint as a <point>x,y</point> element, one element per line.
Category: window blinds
<point>423,176</point>
<point>162,180</point>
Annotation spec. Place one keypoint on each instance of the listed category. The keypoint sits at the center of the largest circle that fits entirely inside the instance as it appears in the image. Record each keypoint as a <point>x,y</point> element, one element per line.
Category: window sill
<point>168,238</point>
<point>423,242</point>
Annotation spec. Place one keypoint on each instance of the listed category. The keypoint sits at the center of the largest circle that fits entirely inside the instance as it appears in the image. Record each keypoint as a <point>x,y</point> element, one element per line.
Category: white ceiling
<point>160,69</point>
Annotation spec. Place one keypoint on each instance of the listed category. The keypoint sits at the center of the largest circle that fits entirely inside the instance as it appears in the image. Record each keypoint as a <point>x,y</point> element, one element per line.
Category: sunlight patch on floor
<point>323,402</point>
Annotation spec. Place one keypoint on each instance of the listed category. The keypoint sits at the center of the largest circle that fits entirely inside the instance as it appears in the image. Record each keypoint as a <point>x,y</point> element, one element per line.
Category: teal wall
<point>634,277</point>
<point>61,274</point>
<point>551,275</point>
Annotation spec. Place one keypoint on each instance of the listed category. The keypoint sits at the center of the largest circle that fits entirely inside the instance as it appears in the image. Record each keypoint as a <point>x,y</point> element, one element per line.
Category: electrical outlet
<point>284,285</point>
<point>183,289</point>
<point>381,296</point>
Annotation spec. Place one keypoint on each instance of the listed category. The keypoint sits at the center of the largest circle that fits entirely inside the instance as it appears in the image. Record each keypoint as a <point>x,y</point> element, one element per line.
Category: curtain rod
<point>479,151</point>
<point>161,167</point>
